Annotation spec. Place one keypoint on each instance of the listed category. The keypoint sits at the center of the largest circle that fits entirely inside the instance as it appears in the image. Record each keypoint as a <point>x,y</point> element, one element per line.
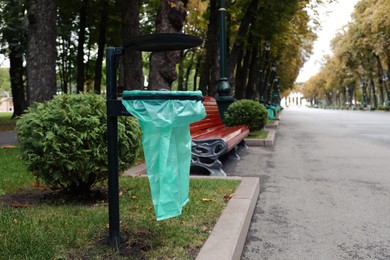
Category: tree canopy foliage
<point>262,36</point>
<point>358,71</point>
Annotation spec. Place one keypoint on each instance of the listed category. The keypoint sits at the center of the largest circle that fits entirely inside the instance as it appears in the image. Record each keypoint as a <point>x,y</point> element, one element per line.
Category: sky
<point>332,17</point>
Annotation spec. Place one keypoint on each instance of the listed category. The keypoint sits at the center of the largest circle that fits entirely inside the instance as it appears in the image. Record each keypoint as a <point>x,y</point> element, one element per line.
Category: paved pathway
<point>7,138</point>
<point>325,187</point>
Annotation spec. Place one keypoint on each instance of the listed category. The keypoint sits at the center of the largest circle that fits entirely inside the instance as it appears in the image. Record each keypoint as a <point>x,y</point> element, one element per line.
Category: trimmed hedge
<point>247,112</point>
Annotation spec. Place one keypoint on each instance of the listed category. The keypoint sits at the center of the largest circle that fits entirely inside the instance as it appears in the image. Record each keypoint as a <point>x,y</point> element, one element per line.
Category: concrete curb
<point>268,141</point>
<point>227,239</point>
<point>273,126</point>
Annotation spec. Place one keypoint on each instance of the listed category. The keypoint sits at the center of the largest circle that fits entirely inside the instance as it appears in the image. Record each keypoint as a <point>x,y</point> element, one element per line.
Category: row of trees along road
<point>359,68</point>
<point>59,44</point>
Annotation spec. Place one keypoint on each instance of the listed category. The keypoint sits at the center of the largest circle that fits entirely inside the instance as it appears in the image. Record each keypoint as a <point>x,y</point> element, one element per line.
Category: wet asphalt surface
<point>7,138</point>
<point>325,191</point>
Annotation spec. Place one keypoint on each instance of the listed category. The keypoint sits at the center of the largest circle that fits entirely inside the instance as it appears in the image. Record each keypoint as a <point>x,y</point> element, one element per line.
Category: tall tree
<point>41,49</point>
<point>170,18</point>
<point>101,46</point>
<point>133,77</point>
<point>210,69</point>
<point>14,34</point>
<point>80,47</point>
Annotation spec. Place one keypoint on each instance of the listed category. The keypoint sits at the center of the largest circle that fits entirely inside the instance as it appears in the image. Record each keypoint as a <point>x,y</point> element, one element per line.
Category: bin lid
<point>163,42</point>
<point>161,95</point>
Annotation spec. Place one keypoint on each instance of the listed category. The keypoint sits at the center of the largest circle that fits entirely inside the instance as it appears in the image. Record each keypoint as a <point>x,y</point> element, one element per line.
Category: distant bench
<point>211,139</point>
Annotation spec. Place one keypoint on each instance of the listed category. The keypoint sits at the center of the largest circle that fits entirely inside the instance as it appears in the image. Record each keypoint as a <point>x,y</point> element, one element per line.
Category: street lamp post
<point>272,81</point>
<point>224,98</point>
<point>260,87</point>
<point>275,92</point>
<point>347,95</point>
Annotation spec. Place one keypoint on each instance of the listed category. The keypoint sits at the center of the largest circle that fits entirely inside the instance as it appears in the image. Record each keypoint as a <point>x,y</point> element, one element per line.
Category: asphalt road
<point>325,187</point>
<point>7,138</point>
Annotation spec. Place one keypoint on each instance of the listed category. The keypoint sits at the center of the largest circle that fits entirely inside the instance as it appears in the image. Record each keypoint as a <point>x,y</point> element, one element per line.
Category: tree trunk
<point>170,19</point>
<point>132,75</point>
<point>101,45</point>
<point>238,45</point>
<point>180,76</point>
<point>14,34</point>
<point>253,71</point>
<point>63,70</point>
<point>381,83</point>
<point>240,83</point>
<point>210,69</point>
<point>41,49</point>
<point>197,67</point>
<point>374,92</point>
<point>188,71</point>
<point>80,47</point>
<point>16,72</point>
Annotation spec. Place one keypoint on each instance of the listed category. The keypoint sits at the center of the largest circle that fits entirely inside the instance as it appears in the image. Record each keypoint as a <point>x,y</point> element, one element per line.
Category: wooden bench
<point>211,139</point>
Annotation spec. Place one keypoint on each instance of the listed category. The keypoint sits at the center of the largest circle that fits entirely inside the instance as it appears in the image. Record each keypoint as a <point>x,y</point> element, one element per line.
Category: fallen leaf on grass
<point>16,205</point>
<point>138,175</point>
<point>150,208</point>
<point>8,147</point>
<point>228,197</point>
<point>35,184</point>
<point>134,197</point>
<point>206,200</point>
<point>204,228</point>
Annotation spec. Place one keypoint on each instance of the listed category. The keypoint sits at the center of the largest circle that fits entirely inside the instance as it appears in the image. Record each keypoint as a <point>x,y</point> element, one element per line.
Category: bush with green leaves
<point>247,112</point>
<point>383,108</point>
<point>64,141</point>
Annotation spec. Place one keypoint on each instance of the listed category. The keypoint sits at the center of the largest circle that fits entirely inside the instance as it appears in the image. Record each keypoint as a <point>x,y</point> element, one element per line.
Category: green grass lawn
<point>55,228</point>
<point>259,134</point>
<point>6,123</point>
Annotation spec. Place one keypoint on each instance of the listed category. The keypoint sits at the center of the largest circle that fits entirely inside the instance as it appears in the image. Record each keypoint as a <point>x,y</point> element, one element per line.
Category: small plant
<point>247,112</point>
<point>383,107</point>
<point>64,141</point>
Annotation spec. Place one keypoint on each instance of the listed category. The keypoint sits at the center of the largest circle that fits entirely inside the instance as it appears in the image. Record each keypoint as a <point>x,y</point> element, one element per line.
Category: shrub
<point>383,107</point>
<point>247,112</point>
<point>64,141</point>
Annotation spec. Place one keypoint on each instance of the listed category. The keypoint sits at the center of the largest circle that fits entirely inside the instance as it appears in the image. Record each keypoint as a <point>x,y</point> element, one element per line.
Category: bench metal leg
<point>233,155</point>
<point>242,145</point>
<point>214,166</point>
<point>205,154</point>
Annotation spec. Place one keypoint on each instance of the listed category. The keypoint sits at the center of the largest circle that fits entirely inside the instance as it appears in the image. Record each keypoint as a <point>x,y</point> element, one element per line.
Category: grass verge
<point>259,134</point>
<point>6,123</point>
<point>49,227</point>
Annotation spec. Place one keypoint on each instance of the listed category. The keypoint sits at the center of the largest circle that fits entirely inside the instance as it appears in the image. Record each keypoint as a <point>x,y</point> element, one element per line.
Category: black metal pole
<point>223,87</point>
<point>112,145</point>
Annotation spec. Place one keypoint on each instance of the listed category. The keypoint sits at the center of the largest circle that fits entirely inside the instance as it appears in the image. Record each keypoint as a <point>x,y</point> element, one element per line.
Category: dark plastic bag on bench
<point>165,117</point>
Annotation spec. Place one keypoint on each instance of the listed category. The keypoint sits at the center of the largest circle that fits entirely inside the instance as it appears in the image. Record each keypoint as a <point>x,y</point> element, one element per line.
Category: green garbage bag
<point>271,114</point>
<point>165,117</point>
